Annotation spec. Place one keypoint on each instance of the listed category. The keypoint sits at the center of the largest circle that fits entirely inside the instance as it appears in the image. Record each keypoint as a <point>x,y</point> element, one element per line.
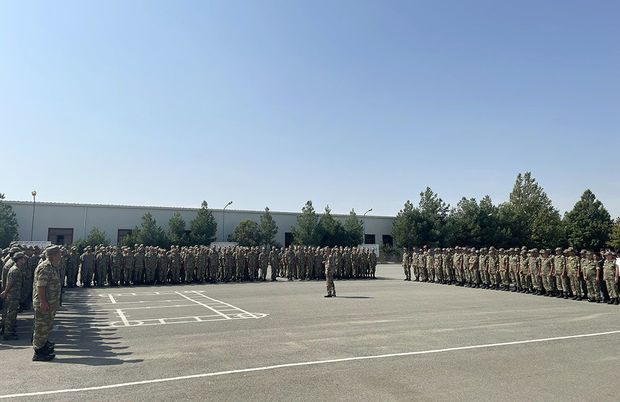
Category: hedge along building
<point>64,223</point>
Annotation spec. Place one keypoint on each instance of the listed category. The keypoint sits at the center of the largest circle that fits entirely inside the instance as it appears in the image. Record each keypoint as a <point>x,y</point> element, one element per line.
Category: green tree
<point>306,232</point>
<point>8,224</point>
<point>588,224</point>
<point>614,237</point>
<point>176,230</point>
<point>150,234</point>
<point>548,229</point>
<point>203,227</point>
<point>408,226</point>
<point>529,203</point>
<point>354,228</point>
<point>474,224</point>
<point>130,239</point>
<point>434,213</point>
<point>267,229</point>
<point>95,238</point>
<point>330,230</point>
<point>247,233</point>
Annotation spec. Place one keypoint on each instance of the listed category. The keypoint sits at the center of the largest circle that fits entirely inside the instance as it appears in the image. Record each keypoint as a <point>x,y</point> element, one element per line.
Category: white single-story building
<point>64,223</point>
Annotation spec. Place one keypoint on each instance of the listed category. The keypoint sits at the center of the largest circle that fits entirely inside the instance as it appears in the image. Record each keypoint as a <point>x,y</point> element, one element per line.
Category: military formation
<point>584,275</point>
<point>33,278</point>
<point>145,265</point>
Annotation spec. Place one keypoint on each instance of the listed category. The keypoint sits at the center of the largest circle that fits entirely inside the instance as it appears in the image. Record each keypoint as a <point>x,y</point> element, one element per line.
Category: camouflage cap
<point>52,250</point>
<point>18,255</point>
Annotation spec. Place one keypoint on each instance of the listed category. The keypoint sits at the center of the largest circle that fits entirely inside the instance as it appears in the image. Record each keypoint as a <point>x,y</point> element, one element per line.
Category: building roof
<point>70,204</point>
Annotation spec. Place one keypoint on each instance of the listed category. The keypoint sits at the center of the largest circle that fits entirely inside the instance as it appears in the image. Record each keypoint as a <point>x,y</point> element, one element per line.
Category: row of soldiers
<point>587,275</point>
<point>121,266</point>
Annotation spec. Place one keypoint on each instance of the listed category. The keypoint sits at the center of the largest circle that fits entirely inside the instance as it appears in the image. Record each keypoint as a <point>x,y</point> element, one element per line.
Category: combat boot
<point>41,355</point>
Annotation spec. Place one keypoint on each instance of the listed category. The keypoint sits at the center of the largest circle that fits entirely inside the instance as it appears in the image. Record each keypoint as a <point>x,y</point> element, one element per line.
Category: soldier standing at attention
<point>274,259</point>
<point>263,263</point>
<point>546,273</point>
<point>139,267</point>
<point>73,262</point>
<point>12,296</point>
<point>46,300</point>
<point>330,269</point>
<point>116,261</point>
<point>406,265</point>
<point>591,276</point>
<point>88,267</point>
<point>572,271</point>
<point>611,280</point>
<point>559,270</point>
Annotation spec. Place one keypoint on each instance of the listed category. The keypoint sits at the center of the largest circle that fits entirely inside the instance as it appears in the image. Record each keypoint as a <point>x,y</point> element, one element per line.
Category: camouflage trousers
<point>575,285</point>
<point>101,274</point>
<point>560,285</point>
<point>43,324</point>
<point>407,270</point>
<point>86,276</point>
<point>331,289</point>
<point>594,287</point>
<point>612,287</point>
<point>9,316</point>
<point>274,272</point>
<point>458,275</point>
<point>438,274</point>
<point>515,278</point>
<point>115,274</point>
<point>505,277</point>
<point>547,282</point>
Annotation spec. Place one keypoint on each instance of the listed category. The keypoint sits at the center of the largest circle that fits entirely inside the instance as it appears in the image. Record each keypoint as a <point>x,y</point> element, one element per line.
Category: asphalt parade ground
<point>382,339</point>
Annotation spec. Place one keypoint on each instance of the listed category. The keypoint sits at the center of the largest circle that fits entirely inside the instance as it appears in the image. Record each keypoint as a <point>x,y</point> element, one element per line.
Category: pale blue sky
<point>355,104</point>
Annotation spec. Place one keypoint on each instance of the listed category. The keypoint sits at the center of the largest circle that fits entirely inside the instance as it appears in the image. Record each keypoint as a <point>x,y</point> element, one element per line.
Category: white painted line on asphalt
<point>147,307</point>
<point>112,298</point>
<point>204,305</point>
<point>226,304</point>
<point>308,363</point>
<point>122,316</point>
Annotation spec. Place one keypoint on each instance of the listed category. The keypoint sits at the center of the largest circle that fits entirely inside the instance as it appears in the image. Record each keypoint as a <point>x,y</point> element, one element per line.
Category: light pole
<point>34,202</point>
<point>364,222</point>
<point>223,227</point>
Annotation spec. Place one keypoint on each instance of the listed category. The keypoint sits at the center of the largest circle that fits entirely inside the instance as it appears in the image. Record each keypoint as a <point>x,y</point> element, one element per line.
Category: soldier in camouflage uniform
<point>87,268</point>
<point>46,300</point>
<point>150,265</point>
<point>11,296</point>
<point>524,270</point>
<point>330,270</point>
<point>591,276</point>
<point>128,267</point>
<point>611,278</point>
<point>573,273</point>
<point>274,261</point>
<point>102,262</point>
<point>546,273</point>
<point>73,264</point>
<point>562,287</point>
<point>139,266</point>
<point>116,263</point>
<point>162,267</point>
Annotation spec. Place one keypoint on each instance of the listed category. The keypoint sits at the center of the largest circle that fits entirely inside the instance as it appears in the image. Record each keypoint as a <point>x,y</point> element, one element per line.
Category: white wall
<point>110,218</point>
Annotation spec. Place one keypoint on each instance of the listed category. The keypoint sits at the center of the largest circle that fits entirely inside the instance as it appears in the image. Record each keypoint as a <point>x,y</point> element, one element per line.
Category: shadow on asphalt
<point>354,297</point>
<point>78,341</point>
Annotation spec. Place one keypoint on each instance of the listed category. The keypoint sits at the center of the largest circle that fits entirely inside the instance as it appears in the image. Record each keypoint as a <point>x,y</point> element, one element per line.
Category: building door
<point>60,236</point>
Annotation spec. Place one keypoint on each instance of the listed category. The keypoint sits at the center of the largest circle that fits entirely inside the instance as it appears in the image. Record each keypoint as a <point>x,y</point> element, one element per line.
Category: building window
<point>388,240</point>
<point>288,239</point>
<point>60,236</point>
<point>122,233</point>
<point>369,239</point>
